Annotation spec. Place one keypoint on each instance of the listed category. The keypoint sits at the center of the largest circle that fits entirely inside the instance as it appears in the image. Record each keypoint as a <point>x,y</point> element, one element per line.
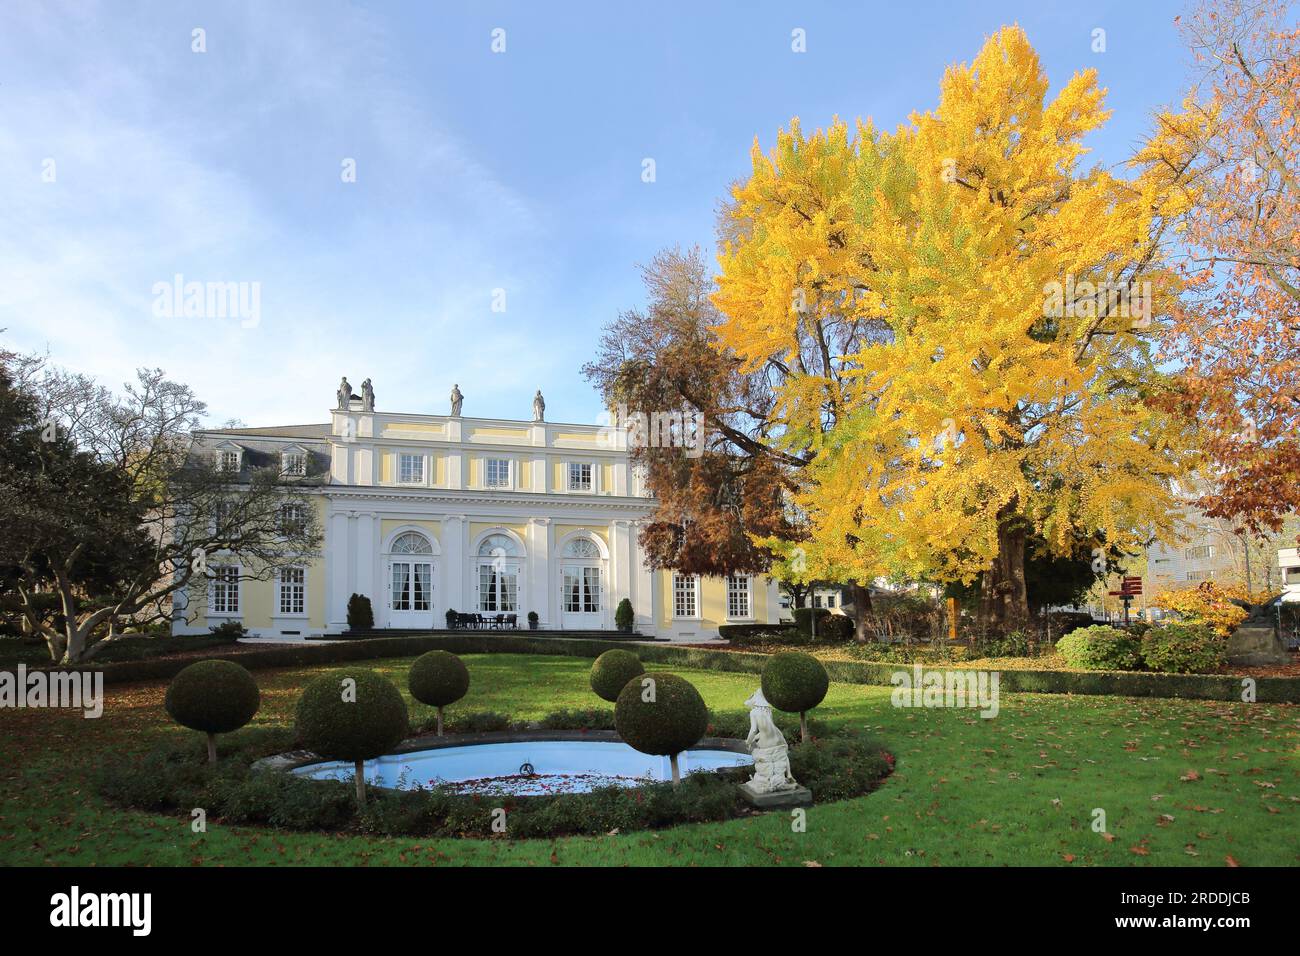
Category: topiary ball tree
<point>796,683</point>
<point>353,714</point>
<point>438,679</point>
<point>661,714</point>
<point>611,672</point>
<point>215,697</point>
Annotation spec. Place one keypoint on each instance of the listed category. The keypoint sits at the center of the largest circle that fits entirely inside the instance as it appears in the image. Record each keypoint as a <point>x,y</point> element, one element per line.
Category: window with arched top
<point>411,543</point>
<point>498,545</point>
<point>581,548</point>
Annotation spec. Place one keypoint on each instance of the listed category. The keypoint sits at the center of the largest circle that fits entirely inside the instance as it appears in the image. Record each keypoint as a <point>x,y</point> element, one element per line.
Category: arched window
<point>411,543</point>
<point>581,548</point>
<point>498,546</point>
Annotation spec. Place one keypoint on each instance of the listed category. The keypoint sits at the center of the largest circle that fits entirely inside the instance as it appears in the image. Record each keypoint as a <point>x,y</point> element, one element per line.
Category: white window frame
<point>590,481</point>
<point>293,463</point>
<point>693,593</point>
<point>226,588</point>
<point>281,593</point>
<point>745,590</point>
<point>402,458</point>
<point>285,530</point>
<point>229,460</point>
<point>509,477</point>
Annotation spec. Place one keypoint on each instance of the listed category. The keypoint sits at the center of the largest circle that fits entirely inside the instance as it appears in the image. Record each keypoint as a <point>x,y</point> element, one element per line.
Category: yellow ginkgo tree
<point>997,383</point>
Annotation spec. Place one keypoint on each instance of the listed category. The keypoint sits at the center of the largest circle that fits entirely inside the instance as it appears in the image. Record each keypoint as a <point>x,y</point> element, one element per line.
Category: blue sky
<point>475,171</point>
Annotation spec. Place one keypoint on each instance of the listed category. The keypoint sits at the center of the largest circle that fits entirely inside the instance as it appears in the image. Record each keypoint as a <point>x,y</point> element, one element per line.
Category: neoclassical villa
<point>426,513</point>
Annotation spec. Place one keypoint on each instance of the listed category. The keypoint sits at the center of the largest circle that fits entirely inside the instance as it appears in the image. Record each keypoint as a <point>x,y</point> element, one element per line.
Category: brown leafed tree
<point>716,487</point>
<point>1238,331</point>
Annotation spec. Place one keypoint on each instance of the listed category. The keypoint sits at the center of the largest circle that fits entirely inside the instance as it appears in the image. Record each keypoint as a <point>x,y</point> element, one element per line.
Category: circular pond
<point>529,767</point>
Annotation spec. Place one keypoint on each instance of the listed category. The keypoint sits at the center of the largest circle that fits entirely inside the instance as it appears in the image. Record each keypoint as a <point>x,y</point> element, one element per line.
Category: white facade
<point>424,514</point>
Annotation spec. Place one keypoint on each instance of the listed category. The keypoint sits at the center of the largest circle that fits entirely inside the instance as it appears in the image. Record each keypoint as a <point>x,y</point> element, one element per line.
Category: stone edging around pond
<point>293,759</point>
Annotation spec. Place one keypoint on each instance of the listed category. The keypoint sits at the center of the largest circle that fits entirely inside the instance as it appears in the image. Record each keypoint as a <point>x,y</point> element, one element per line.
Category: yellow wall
<point>712,598</point>
<point>485,432</point>
<point>477,528</point>
<point>524,472</point>
<point>476,472</point>
<point>607,477</point>
<point>599,530</point>
<point>388,525</point>
<point>440,471</point>
<point>396,428</point>
<point>387,466</point>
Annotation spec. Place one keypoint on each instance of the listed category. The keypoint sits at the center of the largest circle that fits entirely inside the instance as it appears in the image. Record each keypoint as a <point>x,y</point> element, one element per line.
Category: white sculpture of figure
<point>767,745</point>
<point>367,396</point>
<point>457,399</point>
<point>539,407</point>
<point>345,394</point>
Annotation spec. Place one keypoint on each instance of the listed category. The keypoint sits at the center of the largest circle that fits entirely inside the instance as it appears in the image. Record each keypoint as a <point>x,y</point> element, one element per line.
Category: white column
<point>365,558</point>
<point>336,571</point>
<point>539,570</point>
<point>621,558</point>
<point>644,595</point>
<point>454,528</point>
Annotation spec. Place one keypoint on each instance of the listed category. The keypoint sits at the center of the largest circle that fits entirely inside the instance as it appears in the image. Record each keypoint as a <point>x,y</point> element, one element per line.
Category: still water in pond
<point>527,768</point>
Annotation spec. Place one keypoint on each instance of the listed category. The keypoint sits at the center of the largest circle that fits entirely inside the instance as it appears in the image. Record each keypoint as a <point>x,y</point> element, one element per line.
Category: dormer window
<point>229,457</point>
<point>293,463</point>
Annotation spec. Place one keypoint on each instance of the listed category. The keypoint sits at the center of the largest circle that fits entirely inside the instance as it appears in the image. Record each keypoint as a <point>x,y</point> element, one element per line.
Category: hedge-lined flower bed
<point>176,780</point>
<point>1278,690</point>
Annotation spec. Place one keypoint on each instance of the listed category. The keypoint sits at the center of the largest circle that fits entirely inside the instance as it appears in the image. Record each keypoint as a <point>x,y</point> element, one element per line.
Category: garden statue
<point>367,396</point>
<point>345,394</point>
<point>539,407</point>
<point>769,749</point>
<point>457,399</point>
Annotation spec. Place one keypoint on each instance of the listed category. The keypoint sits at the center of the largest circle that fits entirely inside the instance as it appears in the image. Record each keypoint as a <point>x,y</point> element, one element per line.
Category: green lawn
<point>1181,782</point>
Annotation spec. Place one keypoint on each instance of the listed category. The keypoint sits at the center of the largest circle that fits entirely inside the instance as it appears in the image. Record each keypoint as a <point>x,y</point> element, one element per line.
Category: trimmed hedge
<point>215,697</point>
<point>611,672</point>
<point>368,725</point>
<point>673,721</point>
<point>1276,690</point>
<point>438,678</point>
<point>831,628</point>
<point>795,683</point>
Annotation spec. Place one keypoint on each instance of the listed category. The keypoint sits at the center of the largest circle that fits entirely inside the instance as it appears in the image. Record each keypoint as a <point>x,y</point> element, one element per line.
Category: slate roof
<point>261,447</point>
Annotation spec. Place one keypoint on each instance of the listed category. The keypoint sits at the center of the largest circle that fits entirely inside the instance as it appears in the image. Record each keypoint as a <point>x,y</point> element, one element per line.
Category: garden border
<point>1221,687</point>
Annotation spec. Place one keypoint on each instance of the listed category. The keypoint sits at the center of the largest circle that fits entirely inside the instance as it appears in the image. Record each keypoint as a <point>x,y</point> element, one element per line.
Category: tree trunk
<point>677,774</point>
<point>803,726</point>
<point>861,608</point>
<point>212,748</point>
<point>1004,602</point>
<point>361,782</point>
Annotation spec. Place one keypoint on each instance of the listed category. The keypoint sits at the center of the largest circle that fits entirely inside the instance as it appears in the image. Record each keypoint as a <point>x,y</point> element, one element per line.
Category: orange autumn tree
<point>1238,330</point>
<point>1003,391</point>
<point>1207,603</point>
